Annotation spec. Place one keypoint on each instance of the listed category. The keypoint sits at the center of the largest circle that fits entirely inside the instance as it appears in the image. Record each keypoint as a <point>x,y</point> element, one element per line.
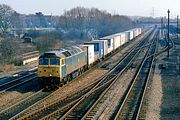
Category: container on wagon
<point>129,35</point>
<point>110,42</point>
<point>122,38</point>
<point>139,31</point>
<point>90,53</point>
<point>105,46</point>
<point>135,32</point>
<point>98,48</point>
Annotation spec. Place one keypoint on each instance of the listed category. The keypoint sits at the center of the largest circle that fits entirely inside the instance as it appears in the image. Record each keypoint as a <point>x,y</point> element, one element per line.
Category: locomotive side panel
<point>75,62</point>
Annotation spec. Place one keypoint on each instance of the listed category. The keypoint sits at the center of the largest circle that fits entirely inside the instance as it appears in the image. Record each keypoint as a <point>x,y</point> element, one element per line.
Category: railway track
<point>103,84</point>
<point>130,106</point>
<point>23,104</point>
<point>7,85</point>
<point>96,109</point>
<point>143,105</point>
<point>15,76</point>
<point>40,106</point>
<point>7,81</point>
<point>22,81</point>
<point>35,110</point>
<point>15,83</point>
<point>142,109</point>
<point>83,108</point>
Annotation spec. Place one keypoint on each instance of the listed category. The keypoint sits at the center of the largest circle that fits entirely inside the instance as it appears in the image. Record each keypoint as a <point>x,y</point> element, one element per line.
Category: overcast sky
<point>123,7</point>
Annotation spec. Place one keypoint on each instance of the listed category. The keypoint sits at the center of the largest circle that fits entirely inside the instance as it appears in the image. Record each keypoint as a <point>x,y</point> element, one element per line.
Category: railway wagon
<point>117,41</point>
<point>135,32</point>
<point>98,49</point>
<point>59,66</point>
<point>105,46</point>
<point>90,54</point>
<point>113,42</point>
<point>122,38</point>
<point>139,31</point>
<point>110,43</point>
<point>129,35</point>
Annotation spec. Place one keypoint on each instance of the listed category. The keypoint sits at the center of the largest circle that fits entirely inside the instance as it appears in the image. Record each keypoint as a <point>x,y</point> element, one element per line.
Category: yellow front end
<point>49,71</point>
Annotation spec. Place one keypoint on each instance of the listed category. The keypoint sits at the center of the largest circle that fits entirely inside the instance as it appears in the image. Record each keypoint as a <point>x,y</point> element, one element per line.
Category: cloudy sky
<point>154,8</point>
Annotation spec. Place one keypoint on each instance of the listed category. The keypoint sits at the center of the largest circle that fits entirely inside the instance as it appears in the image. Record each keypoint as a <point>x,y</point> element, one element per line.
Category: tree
<point>92,23</point>
<point>46,42</point>
<point>6,13</point>
<point>17,21</point>
<point>41,21</point>
<point>9,49</point>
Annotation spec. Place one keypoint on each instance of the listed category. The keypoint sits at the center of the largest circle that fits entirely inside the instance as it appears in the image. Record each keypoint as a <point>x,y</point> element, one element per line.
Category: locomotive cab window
<point>54,61</point>
<point>43,61</point>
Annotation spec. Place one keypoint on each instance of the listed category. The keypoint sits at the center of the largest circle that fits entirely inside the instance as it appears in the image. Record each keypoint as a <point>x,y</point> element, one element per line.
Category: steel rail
<point>16,85</point>
<point>15,80</point>
<point>15,108</point>
<point>98,101</point>
<point>146,85</point>
<point>63,117</point>
<point>133,84</point>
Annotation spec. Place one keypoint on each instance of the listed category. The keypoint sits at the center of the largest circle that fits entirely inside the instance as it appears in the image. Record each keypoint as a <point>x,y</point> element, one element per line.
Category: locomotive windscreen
<point>49,55</point>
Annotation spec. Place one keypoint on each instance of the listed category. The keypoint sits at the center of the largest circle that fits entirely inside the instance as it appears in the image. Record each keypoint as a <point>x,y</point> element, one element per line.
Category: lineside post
<point>161,27</point>
<point>168,31</point>
<point>177,26</point>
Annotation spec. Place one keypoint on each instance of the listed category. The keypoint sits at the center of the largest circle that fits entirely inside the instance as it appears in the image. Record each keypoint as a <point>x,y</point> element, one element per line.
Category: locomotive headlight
<point>50,75</point>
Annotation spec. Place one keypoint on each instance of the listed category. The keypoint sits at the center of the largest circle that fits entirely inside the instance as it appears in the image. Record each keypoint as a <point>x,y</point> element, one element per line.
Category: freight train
<point>60,66</point>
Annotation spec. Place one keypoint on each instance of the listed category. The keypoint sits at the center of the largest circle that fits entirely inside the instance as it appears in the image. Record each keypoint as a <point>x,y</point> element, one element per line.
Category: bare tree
<point>92,23</point>
<point>16,20</point>
<point>6,13</point>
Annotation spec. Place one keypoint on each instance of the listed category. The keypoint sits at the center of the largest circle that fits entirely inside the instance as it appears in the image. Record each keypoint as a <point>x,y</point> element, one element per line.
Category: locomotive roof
<point>63,52</point>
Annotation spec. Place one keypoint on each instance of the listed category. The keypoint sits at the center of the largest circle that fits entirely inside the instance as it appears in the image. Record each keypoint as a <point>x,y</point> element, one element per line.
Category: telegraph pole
<point>177,26</point>
<point>161,23</point>
<point>168,31</point>
<point>161,27</point>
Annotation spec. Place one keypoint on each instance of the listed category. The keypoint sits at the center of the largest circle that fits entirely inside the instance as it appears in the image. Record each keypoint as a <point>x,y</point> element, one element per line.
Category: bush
<point>18,62</point>
<point>9,50</point>
<point>45,42</point>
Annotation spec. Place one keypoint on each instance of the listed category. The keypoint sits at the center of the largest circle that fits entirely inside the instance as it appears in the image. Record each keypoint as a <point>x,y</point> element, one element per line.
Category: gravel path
<point>164,99</point>
<point>154,97</point>
<point>170,107</point>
